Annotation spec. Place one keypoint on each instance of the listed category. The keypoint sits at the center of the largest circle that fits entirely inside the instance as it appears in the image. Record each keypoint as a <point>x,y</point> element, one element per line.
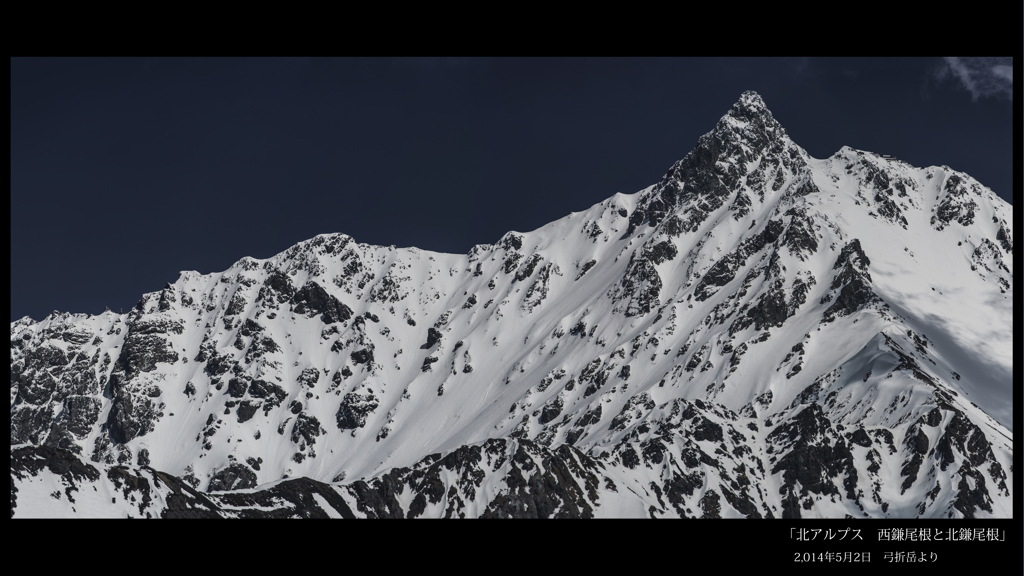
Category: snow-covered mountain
<point>759,334</point>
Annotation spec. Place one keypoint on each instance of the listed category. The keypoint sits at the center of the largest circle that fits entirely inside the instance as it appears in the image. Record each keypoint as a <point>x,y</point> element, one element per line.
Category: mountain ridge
<point>601,330</point>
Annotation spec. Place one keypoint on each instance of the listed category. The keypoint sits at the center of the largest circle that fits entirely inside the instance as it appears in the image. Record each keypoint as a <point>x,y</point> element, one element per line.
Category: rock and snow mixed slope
<point>760,334</point>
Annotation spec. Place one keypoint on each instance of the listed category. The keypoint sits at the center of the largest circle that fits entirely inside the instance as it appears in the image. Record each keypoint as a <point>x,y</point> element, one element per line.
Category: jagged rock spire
<point>750,121</point>
<point>750,102</point>
<point>711,173</point>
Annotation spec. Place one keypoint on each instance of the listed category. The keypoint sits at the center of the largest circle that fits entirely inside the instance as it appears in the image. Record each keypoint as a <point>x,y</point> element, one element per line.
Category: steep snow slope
<point>760,333</point>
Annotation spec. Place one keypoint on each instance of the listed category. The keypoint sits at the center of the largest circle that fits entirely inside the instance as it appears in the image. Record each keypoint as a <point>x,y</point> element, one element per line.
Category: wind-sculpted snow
<point>760,334</point>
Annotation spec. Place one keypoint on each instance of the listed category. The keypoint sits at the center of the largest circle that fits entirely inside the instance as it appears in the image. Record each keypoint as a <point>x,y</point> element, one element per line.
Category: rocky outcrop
<point>313,300</point>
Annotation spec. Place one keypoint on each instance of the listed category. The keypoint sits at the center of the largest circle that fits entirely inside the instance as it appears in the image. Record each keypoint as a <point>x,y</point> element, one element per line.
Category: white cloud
<point>982,77</point>
<point>1003,71</point>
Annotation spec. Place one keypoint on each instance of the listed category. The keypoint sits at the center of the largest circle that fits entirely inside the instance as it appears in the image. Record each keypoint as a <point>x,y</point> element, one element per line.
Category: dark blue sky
<point>126,171</point>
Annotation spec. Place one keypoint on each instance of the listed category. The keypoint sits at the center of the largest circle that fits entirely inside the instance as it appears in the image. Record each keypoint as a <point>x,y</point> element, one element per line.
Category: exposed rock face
<point>355,408</point>
<point>957,204</point>
<point>756,318</point>
<point>130,416</point>
<point>725,270</point>
<point>233,477</point>
<point>851,285</point>
<point>306,429</point>
<point>642,285</point>
<point>312,299</point>
<point>133,411</point>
